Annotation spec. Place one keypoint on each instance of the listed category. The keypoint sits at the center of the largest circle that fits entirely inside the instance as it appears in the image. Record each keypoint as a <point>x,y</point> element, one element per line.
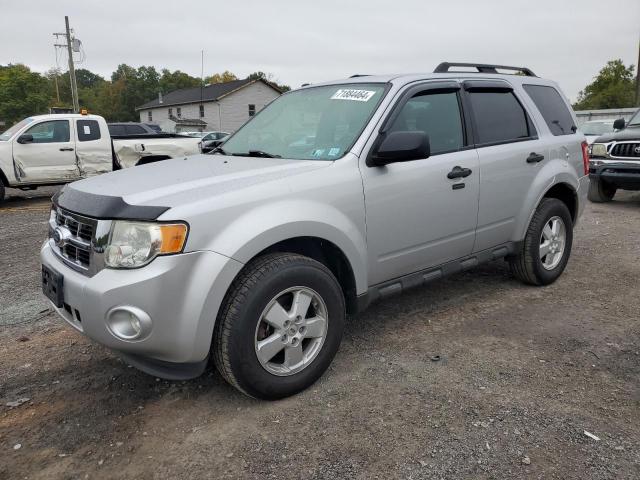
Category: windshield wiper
<point>256,153</point>
<point>219,150</point>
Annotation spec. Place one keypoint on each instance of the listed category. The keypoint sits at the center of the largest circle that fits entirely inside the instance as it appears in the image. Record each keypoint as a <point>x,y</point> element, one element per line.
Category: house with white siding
<point>215,107</point>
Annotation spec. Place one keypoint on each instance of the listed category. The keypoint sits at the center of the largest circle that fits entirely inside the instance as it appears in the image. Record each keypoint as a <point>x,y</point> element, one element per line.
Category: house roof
<point>208,93</point>
<point>193,122</point>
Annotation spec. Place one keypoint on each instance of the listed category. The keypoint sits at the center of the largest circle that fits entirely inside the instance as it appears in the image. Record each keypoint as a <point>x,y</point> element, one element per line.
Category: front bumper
<point>623,175</point>
<point>181,293</point>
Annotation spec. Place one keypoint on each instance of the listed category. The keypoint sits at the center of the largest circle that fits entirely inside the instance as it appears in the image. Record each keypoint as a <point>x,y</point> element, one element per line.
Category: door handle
<point>459,172</point>
<point>534,157</point>
<point>66,149</point>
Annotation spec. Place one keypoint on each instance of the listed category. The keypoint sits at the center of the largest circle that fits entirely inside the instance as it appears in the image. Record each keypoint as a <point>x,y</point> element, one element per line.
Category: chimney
<point>159,97</point>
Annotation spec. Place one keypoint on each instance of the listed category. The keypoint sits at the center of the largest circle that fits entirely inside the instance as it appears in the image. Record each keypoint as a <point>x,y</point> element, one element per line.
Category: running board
<point>422,277</point>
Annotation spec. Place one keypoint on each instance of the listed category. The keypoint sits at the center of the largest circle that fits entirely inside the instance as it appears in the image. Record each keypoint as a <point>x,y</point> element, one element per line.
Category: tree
<point>22,93</point>
<point>613,87</point>
<point>223,77</point>
<point>170,81</point>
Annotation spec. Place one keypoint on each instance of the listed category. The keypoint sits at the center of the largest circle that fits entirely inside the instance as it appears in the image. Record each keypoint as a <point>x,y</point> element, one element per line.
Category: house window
<point>252,109</point>
<point>201,111</point>
<point>170,112</point>
<point>179,112</point>
<point>150,116</point>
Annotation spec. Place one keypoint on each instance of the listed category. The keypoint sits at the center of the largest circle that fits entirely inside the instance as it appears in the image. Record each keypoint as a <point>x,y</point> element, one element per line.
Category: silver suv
<point>333,196</point>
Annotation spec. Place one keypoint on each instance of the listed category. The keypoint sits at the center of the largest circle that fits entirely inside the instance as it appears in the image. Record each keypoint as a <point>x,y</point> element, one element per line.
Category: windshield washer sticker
<point>333,152</point>
<point>318,152</point>
<point>87,130</point>
<point>351,94</point>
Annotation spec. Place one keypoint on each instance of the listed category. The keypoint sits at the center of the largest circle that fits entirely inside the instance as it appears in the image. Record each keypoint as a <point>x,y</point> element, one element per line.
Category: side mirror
<point>400,147</point>
<point>25,138</point>
<point>618,124</point>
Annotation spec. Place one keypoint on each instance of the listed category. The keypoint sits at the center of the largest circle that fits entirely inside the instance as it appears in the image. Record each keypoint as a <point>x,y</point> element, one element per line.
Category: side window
<point>553,109</point>
<point>88,130</point>
<point>150,116</point>
<point>436,114</point>
<point>252,109</point>
<point>116,130</point>
<point>179,112</point>
<point>498,117</point>
<point>170,112</point>
<point>54,131</point>
<point>134,130</point>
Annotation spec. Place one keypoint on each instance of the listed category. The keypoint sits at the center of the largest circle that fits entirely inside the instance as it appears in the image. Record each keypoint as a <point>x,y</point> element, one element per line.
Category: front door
<point>416,216</point>
<point>45,152</point>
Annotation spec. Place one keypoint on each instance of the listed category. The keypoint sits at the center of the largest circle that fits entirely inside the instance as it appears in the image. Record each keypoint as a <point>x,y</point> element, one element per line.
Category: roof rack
<point>483,68</point>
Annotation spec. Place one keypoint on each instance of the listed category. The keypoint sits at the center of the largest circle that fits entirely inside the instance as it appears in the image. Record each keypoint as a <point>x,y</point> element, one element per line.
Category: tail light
<point>585,157</point>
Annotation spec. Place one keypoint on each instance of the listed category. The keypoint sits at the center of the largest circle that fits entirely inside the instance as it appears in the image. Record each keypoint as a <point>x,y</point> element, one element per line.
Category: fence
<point>609,114</point>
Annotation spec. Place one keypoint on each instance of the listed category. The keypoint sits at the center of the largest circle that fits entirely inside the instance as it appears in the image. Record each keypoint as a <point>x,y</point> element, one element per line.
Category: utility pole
<point>72,71</point>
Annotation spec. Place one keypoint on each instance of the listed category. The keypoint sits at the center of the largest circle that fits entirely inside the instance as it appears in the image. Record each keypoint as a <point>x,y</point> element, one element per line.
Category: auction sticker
<point>351,94</point>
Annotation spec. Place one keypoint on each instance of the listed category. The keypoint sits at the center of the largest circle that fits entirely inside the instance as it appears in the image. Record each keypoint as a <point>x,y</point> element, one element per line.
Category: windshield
<point>317,123</point>
<point>596,128</point>
<point>12,131</point>
<point>635,120</point>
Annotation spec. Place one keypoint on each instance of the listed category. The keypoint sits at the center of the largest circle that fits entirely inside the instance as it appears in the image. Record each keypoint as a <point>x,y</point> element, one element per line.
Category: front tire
<point>600,192</point>
<point>2,191</point>
<point>280,326</point>
<point>546,248</point>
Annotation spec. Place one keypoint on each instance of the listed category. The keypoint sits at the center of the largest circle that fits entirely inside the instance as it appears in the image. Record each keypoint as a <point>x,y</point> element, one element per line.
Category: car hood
<point>159,186</point>
<point>629,133</point>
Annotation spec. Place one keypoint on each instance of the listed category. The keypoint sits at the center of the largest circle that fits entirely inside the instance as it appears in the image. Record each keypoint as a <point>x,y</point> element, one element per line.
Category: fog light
<point>129,323</point>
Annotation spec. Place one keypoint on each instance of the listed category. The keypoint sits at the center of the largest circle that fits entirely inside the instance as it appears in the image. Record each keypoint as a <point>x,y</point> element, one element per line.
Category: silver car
<point>333,196</point>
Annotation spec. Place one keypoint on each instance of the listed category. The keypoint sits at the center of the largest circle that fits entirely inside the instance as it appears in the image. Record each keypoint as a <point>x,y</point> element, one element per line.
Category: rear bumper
<point>621,175</point>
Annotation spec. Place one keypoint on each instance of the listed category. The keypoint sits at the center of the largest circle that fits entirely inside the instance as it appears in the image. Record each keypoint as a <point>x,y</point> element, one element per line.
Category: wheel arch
<point>327,253</point>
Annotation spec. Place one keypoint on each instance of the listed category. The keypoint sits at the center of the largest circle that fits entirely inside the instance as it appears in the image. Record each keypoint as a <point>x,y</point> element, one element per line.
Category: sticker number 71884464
<point>352,94</point>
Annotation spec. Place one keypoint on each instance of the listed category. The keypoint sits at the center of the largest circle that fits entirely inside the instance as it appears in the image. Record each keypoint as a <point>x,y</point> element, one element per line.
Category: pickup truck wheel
<point>600,192</point>
<point>546,248</point>
<point>280,326</point>
<point>1,191</point>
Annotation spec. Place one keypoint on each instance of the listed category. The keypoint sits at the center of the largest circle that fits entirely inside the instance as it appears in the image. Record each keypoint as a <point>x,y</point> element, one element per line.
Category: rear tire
<point>279,327</point>
<point>544,253</point>
<point>600,192</point>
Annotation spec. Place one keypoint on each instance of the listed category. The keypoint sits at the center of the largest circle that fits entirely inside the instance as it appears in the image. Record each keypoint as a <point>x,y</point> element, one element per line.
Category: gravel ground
<point>523,374</point>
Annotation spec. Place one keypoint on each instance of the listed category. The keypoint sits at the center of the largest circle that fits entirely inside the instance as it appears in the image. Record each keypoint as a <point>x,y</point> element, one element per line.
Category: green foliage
<point>22,93</point>
<point>613,87</point>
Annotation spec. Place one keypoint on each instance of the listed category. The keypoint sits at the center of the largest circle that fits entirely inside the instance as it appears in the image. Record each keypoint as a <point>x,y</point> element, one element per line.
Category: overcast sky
<point>302,41</point>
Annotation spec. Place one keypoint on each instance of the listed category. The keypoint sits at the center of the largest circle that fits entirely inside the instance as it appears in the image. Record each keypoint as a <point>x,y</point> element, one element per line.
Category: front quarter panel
<point>326,203</point>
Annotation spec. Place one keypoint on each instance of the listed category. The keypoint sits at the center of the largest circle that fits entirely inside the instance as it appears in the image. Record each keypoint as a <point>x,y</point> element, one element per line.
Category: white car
<point>594,128</point>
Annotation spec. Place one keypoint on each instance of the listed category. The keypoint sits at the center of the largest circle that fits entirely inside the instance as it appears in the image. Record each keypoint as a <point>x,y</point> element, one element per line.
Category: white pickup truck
<point>57,149</point>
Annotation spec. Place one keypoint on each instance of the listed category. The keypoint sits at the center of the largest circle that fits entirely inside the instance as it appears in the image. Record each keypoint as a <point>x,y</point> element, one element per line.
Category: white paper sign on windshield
<point>352,94</point>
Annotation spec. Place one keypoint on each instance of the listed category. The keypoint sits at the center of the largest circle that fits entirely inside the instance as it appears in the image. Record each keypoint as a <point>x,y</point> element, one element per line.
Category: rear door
<point>416,216</point>
<point>93,147</point>
<point>50,154</point>
<point>510,155</point>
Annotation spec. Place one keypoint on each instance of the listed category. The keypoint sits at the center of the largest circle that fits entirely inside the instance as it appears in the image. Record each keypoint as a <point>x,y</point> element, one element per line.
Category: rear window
<point>88,130</point>
<point>499,117</point>
<point>553,109</point>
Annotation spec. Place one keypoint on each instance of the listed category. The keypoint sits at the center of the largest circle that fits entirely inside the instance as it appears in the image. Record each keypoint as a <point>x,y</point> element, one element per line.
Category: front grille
<point>76,246</point>
<point>629,150</point>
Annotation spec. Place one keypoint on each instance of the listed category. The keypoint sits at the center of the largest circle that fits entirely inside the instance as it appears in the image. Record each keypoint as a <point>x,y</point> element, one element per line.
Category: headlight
<point>598,150</point>
<point>134,244</point>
